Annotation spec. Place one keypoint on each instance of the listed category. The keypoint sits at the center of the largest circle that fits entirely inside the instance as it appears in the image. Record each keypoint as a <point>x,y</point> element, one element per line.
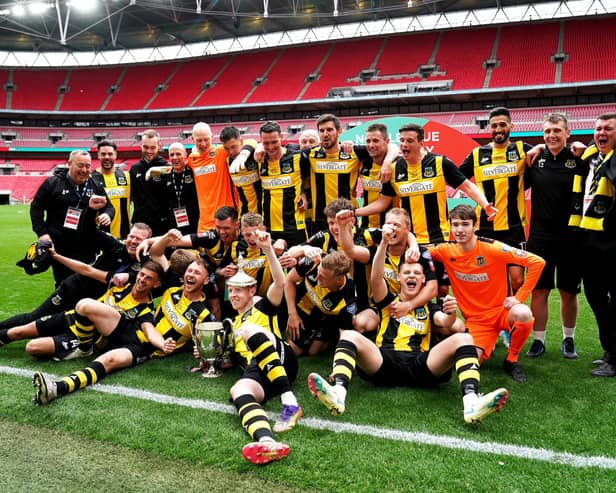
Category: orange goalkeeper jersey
<point>213,182</point>
<point>479,277</point>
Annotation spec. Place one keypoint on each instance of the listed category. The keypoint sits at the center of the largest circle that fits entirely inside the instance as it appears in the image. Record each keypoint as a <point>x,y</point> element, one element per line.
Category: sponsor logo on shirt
<point>285,181</point>
<point>246,179</point>
<point>325,166</point>
<point>499,170</point>
<point>116,192</point>
<point>172,316</point>
<point>471,277</point>
<point>411,323</point>
<point>371,185</point>
<point>205,170</point>
<point>417,187</point>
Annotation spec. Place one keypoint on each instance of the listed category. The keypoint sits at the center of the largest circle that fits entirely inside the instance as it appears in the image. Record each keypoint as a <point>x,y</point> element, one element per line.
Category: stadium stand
<point>524,53</point>
<point>187,83</point>
<point>588,44</point>
<point>22,187</point>
<point>88,88</point>
<point>287,78</point>
<point>467,71</point>
<point>238,78</point>
<point>137,85</point>
<point>401,57</point>
<point>28,94</point>
<point>344,61</point>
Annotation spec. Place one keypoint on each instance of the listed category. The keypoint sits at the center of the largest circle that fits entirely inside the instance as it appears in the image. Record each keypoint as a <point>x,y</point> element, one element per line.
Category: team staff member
<point>243,168</point>
<point>119,258</point>
<point>283,202</point>
<point>593,212</point>
<point>308,138</point>
<point>116,182</point>
<point>478,271</point>
<point>180,193</point>
<point>551,182</point>
<point>404,353</point>
<point>419,181</point>
<point>66,210</point>
<point>214,186</point>
<point>146,194</point>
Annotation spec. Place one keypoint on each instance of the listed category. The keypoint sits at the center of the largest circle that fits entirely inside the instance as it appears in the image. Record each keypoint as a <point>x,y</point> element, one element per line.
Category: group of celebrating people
<point>271,239</point>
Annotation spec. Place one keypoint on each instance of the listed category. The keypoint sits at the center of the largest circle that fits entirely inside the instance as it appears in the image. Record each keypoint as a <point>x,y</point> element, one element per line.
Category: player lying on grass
<point>132,341</point>
<point>402,354</point>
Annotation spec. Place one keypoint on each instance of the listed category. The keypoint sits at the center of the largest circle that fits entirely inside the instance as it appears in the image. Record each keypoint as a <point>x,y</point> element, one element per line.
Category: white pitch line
<point>420,438</point>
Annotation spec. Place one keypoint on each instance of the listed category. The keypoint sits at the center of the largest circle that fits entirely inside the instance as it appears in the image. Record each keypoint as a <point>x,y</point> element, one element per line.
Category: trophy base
<point>212,374</point>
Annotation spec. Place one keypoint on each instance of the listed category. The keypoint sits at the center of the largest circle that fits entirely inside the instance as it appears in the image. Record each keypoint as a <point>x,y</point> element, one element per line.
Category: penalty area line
<point>419,438</point>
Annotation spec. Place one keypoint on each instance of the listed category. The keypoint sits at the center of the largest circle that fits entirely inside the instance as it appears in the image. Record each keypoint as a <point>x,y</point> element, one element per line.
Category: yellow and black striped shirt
<point>117,186</point>
<point>331,176</point>
<point>422,190</point>
<point>499,174</point>
<point>263,314</point>
<point>409,333</point>
<point>176,315</point>
<point>281,183</point>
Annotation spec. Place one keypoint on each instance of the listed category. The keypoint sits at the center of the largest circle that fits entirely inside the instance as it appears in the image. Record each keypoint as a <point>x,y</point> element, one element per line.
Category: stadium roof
<point>65,32</point>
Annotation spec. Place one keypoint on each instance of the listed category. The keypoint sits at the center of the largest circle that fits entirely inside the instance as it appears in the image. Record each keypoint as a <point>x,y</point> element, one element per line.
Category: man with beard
<point>117,185</point>
<point>498,169</point>
<point>146,194</point>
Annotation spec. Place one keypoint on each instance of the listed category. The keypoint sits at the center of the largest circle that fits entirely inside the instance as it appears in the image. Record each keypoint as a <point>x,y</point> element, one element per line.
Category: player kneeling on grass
<point>401,355</point>
<point>270,364</point>
<point>131,341</point>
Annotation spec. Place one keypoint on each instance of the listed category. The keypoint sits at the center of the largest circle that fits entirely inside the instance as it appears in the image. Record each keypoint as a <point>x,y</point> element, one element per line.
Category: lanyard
<point>178,190</point>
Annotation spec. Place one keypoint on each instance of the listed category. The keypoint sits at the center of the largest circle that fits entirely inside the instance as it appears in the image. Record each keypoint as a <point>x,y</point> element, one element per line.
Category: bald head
<point>202,136</point>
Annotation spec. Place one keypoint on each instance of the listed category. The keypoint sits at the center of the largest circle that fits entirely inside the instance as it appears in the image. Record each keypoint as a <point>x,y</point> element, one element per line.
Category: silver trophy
<point>208,337</point>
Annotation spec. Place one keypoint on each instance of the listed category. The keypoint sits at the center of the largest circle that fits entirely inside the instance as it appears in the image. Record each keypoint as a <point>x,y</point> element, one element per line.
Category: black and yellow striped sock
<point>467,368</point>
<point>268,359</point>
<point>344,363</point>
<point>91,374</point>
<point>85,330</point>
<point>253,417</point>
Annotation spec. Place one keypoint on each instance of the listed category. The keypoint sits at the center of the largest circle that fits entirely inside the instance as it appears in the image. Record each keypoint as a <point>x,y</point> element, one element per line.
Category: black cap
<point>37,259</point>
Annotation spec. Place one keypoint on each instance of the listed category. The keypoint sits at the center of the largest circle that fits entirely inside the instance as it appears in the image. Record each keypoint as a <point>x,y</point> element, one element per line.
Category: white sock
<point>539,335</point>
<point>340,391</point>
<point>568,331</point>
<point>288,398</point>
<point>469,399</point>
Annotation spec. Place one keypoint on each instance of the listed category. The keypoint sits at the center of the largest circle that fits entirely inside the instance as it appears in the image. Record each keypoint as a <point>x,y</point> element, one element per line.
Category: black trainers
<point>537,349</point>
<point>600,361</point>
<point>605,370</point>
<point>568,348</point>
<point>515,371</point>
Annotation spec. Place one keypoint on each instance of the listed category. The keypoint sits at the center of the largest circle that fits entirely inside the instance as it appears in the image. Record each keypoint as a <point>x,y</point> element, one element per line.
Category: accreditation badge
<point>181,217</point>
<point>71,221</point>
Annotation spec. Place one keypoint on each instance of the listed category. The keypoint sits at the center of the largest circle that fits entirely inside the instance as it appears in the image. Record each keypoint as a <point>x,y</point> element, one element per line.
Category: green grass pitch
<point>96,441</point>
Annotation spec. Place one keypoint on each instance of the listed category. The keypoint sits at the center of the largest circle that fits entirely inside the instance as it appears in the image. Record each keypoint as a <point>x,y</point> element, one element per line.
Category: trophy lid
<point>241,280</point>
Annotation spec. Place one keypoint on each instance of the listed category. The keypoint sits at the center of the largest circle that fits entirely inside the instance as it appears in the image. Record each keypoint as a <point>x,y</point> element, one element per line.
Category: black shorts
<point>404,369</point>
<point>289,361</point>
<point>64,344</point>
<point>515,237</point>
<point>317,328</point>
<point>56,324</point>
<point>561,255</point>
<point>129,335</point>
